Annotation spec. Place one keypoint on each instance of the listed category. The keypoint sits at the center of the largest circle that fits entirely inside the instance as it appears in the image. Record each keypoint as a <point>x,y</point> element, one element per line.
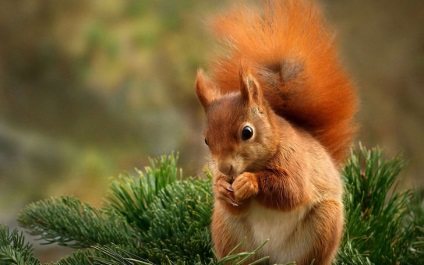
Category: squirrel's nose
<point>226,168</point>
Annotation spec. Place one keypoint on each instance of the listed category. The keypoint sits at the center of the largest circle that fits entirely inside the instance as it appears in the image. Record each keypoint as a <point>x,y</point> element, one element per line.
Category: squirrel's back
<point>292,54</point>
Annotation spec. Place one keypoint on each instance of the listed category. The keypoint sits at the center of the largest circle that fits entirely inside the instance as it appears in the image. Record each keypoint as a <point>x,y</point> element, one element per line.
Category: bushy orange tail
<point>295,61</point>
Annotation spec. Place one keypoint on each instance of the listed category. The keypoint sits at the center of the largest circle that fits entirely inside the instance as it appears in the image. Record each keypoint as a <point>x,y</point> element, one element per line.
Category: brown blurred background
<point>91,89</point>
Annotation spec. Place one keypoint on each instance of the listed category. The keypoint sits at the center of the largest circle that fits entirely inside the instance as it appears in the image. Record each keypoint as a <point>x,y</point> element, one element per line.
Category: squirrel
<point>279,123</point>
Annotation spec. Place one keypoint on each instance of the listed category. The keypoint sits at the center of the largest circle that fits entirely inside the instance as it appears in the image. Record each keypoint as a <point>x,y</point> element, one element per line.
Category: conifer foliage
<point>159,217</point>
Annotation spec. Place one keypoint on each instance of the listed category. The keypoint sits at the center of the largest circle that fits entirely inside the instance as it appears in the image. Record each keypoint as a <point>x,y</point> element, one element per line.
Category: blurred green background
<point>91,89</point>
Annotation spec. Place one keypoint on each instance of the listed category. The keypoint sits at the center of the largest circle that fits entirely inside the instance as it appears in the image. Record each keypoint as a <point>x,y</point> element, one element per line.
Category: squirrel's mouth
<point>230,176</point>
<point>234,176</point>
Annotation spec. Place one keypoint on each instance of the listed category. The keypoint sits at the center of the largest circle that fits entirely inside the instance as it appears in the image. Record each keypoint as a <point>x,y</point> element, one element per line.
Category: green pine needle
<point>69,222</point>
<point>131,196</point>
<point>180,218</point>
<point>377,229</point>
<point>13,248</point>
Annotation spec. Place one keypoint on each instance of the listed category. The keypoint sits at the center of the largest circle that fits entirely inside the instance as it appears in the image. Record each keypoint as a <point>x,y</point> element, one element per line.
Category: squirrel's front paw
<point>224,192</point>
<point>245,186</point>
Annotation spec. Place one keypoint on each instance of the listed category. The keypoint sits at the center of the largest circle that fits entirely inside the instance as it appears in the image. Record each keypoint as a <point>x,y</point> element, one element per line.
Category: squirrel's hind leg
<point>324,223</point>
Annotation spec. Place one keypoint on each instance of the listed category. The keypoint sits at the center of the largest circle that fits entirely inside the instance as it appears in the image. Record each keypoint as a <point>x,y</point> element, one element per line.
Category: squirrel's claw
<point>224,191</point>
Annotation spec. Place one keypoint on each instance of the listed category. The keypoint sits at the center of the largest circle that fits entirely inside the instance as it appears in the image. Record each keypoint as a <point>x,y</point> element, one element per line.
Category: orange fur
<point>279,178</point>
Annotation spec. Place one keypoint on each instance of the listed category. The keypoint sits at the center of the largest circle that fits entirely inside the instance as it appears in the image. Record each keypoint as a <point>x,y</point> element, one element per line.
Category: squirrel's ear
<point>249,89</point>
<point>205,90</point>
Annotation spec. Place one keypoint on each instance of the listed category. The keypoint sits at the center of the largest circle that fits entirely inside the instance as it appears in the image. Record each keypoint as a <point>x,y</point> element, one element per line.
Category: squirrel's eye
<point>246,133</point>
<point>206,142</point>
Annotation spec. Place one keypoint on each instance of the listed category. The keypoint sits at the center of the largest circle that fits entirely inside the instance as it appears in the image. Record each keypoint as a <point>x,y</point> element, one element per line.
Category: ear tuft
<point>249,88</point>
<point>205,90</point>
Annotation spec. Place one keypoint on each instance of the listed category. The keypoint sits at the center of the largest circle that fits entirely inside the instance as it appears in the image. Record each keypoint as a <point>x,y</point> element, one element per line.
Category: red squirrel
<point>279,110</point>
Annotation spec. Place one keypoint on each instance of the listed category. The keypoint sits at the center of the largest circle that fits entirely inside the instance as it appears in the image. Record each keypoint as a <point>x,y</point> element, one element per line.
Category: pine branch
<point>119,256</point>
<point>131,196</point>
<point>172,216</point>
<point>104,255</point>
<point>416,209</point>
<point>349,255</point>
<point>377,214</point>
<point>156,219</point>
<point>72,223</point>
<point>116,258</point>
<point>14,250</point>
<point>180,219</point>
<point>79,257</point>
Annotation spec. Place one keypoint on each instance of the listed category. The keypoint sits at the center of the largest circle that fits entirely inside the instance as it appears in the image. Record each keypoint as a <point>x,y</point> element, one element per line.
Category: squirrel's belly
<point>282,228</point>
